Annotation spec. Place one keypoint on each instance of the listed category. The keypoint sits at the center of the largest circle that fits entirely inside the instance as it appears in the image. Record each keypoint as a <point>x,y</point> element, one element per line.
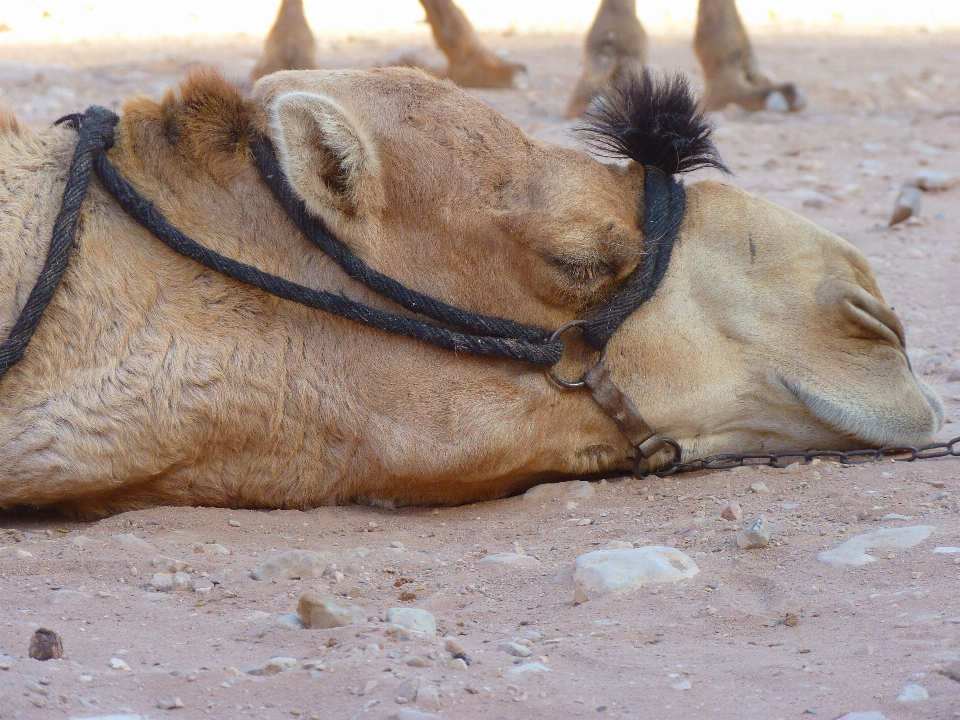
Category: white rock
<point>508,559</point>
<point>128,541</point>
<point>108,717</point>
<point>291,565</point>
<point>617,572</point>
<point>869,715</point>
<point>515,649</point>
<point>181,581</point>
<point>58,597</point>
<point>760,488</point>
<point>896,516</point>
<point>215,549</point>
<point>118,664</point>
<point>203,586</point>
<point>913,693</point>
<point>755,535</point>
<point>408,714</point>
<point>934,180</point>
<point>684,685</point>
<point>532,667</point>
<point>162,582</point>
<point>617,545</point>
<point>413,619</point>
<point>854,550</point>
<point>6,662</point>
<point>571,490</point>
<point>290,622</point>
<point>428,697</point>
<point>947,550</point>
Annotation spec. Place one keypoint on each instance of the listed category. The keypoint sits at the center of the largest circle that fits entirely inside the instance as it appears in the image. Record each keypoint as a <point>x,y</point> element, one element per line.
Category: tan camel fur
<point>469,62</point>
<point>617,43</point>
<point>289,45</point>
<point>152,380</point>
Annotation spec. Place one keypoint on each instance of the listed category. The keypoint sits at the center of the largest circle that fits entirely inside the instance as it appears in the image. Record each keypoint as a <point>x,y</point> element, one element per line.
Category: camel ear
<point>327,155</point>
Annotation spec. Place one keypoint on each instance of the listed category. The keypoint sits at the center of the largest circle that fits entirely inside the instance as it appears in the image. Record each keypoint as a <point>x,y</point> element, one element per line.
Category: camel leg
<point>616,43</point>
<point>470,63</point>
<point>290,44</point>
<point>730,68</point>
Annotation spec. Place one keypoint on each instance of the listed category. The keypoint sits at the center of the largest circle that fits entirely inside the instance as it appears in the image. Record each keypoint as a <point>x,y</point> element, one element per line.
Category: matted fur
<point>655,121</point>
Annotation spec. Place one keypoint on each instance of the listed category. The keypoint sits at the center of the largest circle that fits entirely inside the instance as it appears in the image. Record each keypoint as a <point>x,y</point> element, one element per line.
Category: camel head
<point>766,333</point>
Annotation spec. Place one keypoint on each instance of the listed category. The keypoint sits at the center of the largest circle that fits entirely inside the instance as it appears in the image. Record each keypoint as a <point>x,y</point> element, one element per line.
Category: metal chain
<point>951,448</point>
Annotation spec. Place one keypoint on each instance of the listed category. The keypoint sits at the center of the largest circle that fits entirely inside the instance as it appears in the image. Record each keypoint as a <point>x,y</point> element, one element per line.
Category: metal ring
<point>550,373</point>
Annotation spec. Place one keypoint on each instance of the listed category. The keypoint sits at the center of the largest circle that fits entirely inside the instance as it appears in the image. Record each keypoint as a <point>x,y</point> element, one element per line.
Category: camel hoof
<point>786,98</point>
<point>521,79</point>
<point>776,102</point>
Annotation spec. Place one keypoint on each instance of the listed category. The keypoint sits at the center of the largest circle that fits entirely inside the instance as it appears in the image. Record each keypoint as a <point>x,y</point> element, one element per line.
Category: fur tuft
<point>655,121</point>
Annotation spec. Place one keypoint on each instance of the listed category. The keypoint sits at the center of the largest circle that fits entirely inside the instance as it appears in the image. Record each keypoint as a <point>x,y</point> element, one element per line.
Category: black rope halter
<point>462,331</point>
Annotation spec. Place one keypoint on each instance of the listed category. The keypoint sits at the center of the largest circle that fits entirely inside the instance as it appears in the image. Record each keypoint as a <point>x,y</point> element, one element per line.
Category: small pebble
<point>755,535</point>
<point>45,645</point>
<point>732,511</point>
<point>163,582</point>
<point>407,691</point>
<point>168,704</point>
<point>233,523</point>
<point>760,488</point>
<point>118,664</point>
<point>181,581</point>
<point>913,693</point>
<point>512,648</point>
<point>908,205</point>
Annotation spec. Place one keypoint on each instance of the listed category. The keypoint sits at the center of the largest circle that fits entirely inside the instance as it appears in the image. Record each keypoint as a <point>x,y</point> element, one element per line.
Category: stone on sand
<point>908,204</point>
<point>413,619</point>
<point>319,612</point>
<point>129,541</point>
<point>515,649</point>
<point>618,572</point>
<point>291,565</point>
<point>755,535</point>
<point>409,714</point>
<point>913,693</point>
<point>508,560</point>
<point>732,512</point>
<point>570,490</point>
<point>854,550</point>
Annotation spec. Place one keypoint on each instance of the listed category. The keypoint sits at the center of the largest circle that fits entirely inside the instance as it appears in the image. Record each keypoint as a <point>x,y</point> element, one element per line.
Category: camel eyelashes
<point>655,121</point>
<point>581,271</point>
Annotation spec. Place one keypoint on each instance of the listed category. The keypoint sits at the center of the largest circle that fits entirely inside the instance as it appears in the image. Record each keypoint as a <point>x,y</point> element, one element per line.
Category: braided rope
<point>356,268</point>
<point>96,135</point>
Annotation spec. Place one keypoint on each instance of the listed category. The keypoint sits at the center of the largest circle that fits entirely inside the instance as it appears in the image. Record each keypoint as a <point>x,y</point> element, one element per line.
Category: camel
<point>615,44</point>
<point>153,380</point>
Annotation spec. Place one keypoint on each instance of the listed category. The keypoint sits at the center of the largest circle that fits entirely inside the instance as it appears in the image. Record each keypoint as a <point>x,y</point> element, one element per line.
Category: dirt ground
<point>883,106</point>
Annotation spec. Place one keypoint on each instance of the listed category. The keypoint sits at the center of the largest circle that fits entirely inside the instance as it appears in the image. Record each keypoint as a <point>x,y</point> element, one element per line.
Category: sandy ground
<point>882,107</point>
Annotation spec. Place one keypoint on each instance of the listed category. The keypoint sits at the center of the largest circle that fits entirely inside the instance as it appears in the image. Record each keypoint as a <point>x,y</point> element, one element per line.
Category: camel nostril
<point>873,315</point>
